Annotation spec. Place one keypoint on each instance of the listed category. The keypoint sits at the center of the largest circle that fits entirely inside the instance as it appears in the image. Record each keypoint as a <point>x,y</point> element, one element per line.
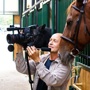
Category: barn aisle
<point>10,78</point>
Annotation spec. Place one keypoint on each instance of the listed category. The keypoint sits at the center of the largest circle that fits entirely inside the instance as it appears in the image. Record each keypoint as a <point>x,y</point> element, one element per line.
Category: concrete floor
<point>10,78</point>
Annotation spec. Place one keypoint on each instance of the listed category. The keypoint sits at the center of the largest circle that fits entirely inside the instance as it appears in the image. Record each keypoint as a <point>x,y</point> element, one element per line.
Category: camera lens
<point>9,39</point>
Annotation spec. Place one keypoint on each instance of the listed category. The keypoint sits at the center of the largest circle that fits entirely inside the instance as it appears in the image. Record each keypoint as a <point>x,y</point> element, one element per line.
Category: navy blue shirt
<point>41,84</point>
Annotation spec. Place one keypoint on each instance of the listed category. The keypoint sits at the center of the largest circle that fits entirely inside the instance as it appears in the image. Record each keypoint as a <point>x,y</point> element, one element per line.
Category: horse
<point>76,34</point>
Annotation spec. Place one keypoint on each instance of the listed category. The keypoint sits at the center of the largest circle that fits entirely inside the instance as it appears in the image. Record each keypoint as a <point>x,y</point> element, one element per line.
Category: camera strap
<point>29,72</point>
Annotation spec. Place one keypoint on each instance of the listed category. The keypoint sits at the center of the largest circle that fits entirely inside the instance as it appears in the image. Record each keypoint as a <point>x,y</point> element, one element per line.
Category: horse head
<point>76,34</point>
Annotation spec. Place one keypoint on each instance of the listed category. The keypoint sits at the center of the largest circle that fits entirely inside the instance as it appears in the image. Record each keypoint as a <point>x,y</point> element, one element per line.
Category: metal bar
<point>32,7</point>
<point>56,16</point>
<point>78,84</point>
<point>3,6</point>
<point>53,16</point>
<point>46,1</point>
<point>28,10</point>
<point>75,86</point>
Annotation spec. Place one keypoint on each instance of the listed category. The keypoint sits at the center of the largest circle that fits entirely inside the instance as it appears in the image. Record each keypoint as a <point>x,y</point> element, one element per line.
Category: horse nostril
<point>75,51</point>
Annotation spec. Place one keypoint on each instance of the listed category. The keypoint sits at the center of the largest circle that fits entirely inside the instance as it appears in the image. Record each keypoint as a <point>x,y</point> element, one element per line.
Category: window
<point>9,7</point>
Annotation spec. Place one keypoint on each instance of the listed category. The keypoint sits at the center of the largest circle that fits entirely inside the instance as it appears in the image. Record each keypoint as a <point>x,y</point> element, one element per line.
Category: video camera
<point>28,36</point>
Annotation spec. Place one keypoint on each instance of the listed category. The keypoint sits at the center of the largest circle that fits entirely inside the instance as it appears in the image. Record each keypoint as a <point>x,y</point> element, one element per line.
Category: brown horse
<point>76,34</point>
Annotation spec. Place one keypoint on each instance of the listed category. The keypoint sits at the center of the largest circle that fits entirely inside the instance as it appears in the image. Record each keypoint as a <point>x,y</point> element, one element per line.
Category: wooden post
<point>17,47</point>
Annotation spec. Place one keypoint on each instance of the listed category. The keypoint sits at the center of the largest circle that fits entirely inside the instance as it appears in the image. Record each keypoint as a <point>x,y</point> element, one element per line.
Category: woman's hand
<point>33,53</point>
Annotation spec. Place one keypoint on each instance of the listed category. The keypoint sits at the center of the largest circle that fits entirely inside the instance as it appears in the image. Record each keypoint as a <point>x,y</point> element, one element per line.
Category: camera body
<point>28,36</point>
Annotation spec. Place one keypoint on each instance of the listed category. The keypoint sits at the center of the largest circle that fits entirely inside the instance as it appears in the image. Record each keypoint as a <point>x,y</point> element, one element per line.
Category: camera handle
<point>29,72</point>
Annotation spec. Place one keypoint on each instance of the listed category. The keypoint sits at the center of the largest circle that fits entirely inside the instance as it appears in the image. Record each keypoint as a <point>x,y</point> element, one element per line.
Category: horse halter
<point>76,50</point>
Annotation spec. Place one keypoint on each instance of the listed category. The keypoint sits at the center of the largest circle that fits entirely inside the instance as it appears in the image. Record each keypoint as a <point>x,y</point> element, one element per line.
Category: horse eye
<point>69,23</point>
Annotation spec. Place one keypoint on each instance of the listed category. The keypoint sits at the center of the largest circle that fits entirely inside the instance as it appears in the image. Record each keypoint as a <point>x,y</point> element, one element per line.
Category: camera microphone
<point>14,28</point>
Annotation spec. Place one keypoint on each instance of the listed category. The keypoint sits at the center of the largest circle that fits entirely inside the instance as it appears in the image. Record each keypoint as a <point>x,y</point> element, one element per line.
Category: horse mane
<point>70,6</point>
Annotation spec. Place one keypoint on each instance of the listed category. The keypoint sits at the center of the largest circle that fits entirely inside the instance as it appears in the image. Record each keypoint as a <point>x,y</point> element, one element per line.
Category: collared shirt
<point>56,77</point>
<point>41,84</point>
